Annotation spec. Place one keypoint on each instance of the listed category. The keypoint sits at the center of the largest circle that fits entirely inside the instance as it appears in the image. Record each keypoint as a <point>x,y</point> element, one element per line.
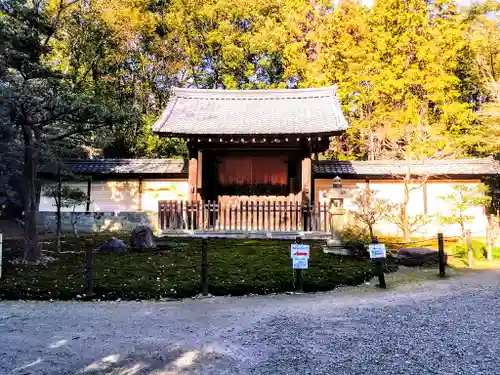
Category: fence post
<point>470,253</point>
<point>299,276</point>
<point>1,253</point>
<point>442,264</point>
<point>204,267</point>
<point>89,255</point>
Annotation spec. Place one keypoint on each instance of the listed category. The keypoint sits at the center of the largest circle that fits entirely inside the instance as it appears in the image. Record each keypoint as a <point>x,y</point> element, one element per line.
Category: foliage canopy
<point>414,76</point>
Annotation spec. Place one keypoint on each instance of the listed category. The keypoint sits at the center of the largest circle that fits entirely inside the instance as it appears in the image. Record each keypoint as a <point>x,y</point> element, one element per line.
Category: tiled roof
<point>330,168</point>
<point>128,166</point>
<point>248,112</point>
<point>479,167</point>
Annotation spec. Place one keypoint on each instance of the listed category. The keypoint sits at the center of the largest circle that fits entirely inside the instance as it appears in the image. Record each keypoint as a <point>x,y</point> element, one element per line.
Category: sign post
<point>442,263</point>
<point>378,255</point>
<point>300,261</point>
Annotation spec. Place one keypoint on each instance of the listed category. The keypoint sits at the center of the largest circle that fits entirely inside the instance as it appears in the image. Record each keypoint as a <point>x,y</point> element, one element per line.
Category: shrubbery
<point>236,267</point>
<point>356,239</point>
<point>479,250</point>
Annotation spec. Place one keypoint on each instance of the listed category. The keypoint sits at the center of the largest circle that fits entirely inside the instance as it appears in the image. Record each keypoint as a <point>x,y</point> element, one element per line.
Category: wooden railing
<point>246,216</point>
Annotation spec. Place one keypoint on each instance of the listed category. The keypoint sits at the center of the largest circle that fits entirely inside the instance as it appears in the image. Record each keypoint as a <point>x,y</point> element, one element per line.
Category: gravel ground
<point>437,327</point>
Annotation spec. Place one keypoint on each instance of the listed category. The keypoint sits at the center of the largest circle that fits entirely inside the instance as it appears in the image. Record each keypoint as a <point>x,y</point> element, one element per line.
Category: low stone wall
<point>86,222</point>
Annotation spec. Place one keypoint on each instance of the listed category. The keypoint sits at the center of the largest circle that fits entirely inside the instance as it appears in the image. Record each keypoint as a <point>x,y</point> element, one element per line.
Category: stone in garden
<point>142,238</point>
<point>113,245</point>
<point>335,246</point>
<point>418,256</point>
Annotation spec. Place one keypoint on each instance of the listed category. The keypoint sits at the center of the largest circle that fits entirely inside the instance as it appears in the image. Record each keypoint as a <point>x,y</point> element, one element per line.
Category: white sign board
<point>377,250</point>
<point>300,263</point>
<point>299,251</point>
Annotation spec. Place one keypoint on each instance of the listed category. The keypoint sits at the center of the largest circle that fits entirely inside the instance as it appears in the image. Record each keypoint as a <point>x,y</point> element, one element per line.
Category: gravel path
<point>440,327</point>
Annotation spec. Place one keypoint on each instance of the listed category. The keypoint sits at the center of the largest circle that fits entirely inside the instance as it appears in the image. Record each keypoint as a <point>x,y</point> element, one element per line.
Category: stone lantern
<point>335,199</point>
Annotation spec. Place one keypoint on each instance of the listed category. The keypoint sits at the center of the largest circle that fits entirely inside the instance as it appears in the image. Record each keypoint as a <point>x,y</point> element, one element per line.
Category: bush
<point>478,250</point>
<point>496,253</point>
<point>236,267</point>
<point>356,239</point>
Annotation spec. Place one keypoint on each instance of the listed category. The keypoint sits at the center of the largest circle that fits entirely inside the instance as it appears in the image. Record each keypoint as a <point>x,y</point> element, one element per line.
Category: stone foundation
<point>86,222</point>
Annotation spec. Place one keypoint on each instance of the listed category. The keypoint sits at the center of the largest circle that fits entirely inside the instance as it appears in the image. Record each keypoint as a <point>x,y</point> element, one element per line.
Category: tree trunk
<point>31,248</point>
<point>370,228</point>
<point>371,146</point>
<point>74,221</point>
<point>404,211</point>
<point>404,223</point>
<point>464,233</point>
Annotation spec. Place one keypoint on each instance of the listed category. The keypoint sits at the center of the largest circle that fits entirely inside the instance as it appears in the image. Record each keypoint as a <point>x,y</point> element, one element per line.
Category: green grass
<point>236,267</point>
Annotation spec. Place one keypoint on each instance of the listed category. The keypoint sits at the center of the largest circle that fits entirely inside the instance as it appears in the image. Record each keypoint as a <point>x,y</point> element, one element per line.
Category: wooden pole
<point>204,267</point>
<point>1,254</point>
<point>442,264</point>
<point>90,288</point>
<point>470,254</point>
<point>379,267</point>
<point>89,192</point>
<point>59,203</point>
<point>299,276</point>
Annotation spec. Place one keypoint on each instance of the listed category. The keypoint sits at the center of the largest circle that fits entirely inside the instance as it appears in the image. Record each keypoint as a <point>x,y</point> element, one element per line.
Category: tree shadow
<point>149,360</point>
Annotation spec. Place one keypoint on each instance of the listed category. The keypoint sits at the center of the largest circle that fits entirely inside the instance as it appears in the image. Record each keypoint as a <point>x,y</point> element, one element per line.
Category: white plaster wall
<point>49,203</point>
<point>160,190</point>
<point>114,196</point>
<point>123,195</point>
<point>438,207</point>
<point>393,191</point>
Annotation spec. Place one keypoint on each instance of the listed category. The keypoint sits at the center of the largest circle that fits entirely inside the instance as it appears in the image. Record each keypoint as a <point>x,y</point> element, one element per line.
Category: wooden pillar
<point>313,190</point>
<point>193,178</point>
<point>199,176</point>
<point>306,180</point>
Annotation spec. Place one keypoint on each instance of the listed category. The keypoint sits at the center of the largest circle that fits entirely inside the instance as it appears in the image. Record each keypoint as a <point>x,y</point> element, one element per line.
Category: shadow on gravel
<point>149,361</point>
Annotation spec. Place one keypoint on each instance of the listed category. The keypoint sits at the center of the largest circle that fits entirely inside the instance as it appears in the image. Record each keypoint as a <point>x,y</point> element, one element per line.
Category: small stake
<point>379,267</point>
<point>90,288</point>
<point>442,264</point>
<point>204,267</point>
<point>299,276</point>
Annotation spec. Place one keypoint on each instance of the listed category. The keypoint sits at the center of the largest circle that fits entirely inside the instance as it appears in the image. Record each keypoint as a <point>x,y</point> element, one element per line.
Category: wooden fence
<point>246,216</point>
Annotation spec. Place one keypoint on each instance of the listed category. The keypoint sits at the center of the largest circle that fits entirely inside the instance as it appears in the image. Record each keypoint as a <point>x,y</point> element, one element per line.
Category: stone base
<point>335,247</point>
<point>336,250</point>
<point>87,222</point>
<point>245,234</point>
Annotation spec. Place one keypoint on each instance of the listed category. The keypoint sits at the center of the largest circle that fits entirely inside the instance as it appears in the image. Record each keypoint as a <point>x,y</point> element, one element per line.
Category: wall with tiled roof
<point>380,168</point>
